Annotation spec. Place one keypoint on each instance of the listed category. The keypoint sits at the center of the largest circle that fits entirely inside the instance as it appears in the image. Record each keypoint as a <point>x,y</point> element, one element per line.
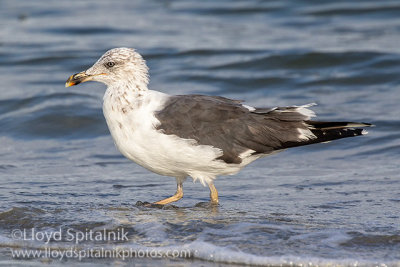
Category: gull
<point>196,135</point>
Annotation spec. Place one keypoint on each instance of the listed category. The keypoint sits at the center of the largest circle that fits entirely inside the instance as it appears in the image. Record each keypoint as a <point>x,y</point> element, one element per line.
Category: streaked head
<point>118,66</point>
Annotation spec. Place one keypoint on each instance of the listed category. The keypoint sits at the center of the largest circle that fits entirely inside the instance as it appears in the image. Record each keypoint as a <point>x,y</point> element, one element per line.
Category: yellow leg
<point>213,193</point>
<point>178,195</point>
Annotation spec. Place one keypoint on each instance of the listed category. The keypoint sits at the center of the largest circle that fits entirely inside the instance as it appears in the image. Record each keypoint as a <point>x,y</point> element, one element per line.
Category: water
<point>326,204</point>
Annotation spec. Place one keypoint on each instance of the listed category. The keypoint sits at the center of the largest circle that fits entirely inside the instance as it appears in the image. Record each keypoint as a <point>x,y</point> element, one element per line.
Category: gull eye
<point>110,64</point>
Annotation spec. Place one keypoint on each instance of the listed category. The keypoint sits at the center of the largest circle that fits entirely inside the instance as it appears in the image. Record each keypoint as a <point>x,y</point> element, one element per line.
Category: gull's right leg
<point>178,195</point>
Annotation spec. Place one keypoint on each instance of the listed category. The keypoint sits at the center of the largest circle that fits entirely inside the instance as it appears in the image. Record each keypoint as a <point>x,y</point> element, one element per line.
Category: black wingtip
<point>365,124</point>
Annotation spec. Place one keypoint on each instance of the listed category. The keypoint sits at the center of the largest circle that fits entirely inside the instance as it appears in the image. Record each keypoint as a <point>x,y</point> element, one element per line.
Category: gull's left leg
<point>213,193</point>
<point>178,195</point>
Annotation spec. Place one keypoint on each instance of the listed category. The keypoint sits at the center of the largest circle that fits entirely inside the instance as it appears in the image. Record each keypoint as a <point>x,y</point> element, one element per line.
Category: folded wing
<point>241,130</point>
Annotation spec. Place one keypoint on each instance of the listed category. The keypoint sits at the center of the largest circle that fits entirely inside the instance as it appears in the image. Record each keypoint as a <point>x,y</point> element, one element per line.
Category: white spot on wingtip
<point>364,132</point>
<point>249,107</point>
<point>309,105</point>
<point>303,110</point>
<point>305,134</point>
<point>246,154</point>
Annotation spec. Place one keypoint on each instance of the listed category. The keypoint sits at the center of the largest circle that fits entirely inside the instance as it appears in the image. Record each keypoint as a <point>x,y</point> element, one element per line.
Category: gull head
<point>117,67</point>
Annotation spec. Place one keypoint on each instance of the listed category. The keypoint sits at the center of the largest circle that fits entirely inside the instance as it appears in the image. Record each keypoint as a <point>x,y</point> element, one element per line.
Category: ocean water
<point>62,181</point>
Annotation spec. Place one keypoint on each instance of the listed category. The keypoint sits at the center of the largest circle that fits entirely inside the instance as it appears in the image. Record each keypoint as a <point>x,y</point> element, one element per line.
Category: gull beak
<point>78,78</point>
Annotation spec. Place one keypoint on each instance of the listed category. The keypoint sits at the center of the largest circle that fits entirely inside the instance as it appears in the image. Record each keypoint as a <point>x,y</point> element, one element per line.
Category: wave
<point>261,244</point>
<point>205,252</point>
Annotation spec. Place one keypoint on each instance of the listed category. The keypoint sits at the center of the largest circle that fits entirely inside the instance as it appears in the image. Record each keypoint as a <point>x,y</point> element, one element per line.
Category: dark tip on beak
<point>77,79</point>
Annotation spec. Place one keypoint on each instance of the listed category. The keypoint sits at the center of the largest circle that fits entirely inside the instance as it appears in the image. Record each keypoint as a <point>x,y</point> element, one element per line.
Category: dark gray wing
<point>226,124</point>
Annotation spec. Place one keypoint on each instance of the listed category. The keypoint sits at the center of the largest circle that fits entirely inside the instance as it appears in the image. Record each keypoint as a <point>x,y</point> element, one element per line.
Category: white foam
<point>209,252</point>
